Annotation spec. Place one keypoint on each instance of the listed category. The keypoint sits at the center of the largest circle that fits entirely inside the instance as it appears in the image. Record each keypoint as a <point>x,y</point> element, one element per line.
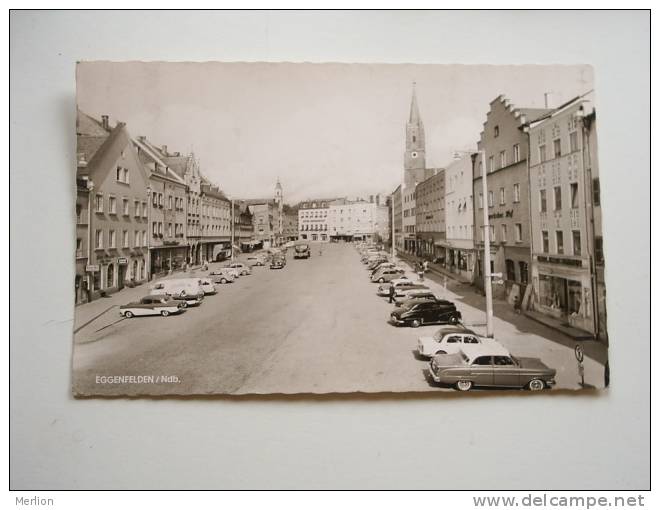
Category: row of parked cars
<point>174,295</point>
<point>458,356</point>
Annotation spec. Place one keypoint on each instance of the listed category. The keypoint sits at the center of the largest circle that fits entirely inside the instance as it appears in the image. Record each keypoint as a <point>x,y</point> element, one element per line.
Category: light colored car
<point>451,339</point>
<point>399,283</point>
<point>188,289</point>
<point>240,267</point>
<point>412,292</point>
<point>490,365</point>
<point>256,260</point>
<point>161,304</point>
<point>387,274</point>
<point>224,275</point>
<point>208,286</point>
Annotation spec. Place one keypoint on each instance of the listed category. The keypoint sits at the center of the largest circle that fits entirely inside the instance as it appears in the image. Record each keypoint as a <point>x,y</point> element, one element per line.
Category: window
<point>596,190</point>
<point>546,241</point>
<point>496,131</point>
<point>170,202</point>
<point>574,195</point>
<point>160,200</point>
<point>112,205</point>
<point>504,233</point>
<point>125,239</point>
<point>598,251</point>
<point>557,198</point>
<point>503,361</point>
<point>490,199</point>
<point>112,239</point>
<point>573,140</point>
<point>98,239</point>
<point>559,239</point>
<point>155,199</point>
<point>491,164</point>
<point>492,233</point>
<point>516,153</point>
<point>136,206</point>
<point>481,200</point>
<point>502,159</point>
<point>502,196</point>
<point>524,275</point>
<point>154,228</point>
<point>169,230</point>
<point>542,153</point>
<point>98,201</point>
<point>543,202</point>
<point>556,145</point>
<point>144,210</point>
<point>577,243</point>
<point>516,193</point>
<point>137,239</point>
<point>125,207</point>
<point>483,360</point>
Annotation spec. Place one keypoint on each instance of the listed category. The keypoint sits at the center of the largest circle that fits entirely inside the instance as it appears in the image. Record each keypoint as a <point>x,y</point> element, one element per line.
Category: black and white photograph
<point>290,228</point>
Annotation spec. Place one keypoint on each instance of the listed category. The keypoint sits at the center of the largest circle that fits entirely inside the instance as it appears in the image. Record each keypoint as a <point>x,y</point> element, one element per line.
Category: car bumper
<point>397,322</point>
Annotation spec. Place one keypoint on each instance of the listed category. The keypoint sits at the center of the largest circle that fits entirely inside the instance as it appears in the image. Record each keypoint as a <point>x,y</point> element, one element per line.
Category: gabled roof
<point>90,136</point>
<point>89,126</point>
<point>148,150</point>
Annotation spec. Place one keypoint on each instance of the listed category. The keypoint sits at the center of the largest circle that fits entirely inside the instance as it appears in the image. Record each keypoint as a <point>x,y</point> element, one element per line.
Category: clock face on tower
<point>413,155</point>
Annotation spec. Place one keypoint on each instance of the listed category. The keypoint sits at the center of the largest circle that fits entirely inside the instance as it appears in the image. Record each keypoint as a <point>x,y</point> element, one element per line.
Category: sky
<point>325,130</point>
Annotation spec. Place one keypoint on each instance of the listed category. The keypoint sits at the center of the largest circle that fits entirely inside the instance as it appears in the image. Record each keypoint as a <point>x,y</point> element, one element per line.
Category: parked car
<point>188,289</point>
<point>387,275</point>
<point>224,275</point>
<point>240,267</point>
<point>400,283</point>
<point>382,265</point>
<point>377,262</point>
<point>161,304</point>
<point>450,339</point>
<point>417,291</point>
<point>277,263</point>
<point>490,365</point>
<point>425,313</point>
<point>208,286</point>
<point>256,260</point>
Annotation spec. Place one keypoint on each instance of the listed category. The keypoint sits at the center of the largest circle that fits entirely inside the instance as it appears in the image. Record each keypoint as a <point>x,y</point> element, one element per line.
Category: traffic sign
<point>91,268</point>
<point>579,353</point>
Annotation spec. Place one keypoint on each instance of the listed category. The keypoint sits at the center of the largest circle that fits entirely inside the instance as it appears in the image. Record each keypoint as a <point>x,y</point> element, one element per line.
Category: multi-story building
<point>83,281</point>
<point>167,196</point>
<point>459,256</point>
<point>352,220</point>
<point>430,215</point>
<point>116,182</point>
<point>243,227</point>
<point>567,253</point>
<point>215,220</point>
<point>263,222</point>
<point>382,226</point>
<point>397,217</point>
<point>506,150</point>
<point>289,223</point>
<point>313,219</point>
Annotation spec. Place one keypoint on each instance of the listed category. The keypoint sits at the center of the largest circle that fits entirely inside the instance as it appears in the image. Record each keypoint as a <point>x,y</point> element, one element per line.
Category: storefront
<point>164,260</point>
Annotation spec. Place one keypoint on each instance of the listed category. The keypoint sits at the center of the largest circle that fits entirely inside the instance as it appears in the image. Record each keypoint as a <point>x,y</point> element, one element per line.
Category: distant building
<point>397,217</point>
<point>112,178</point>
<point>567,249</point>
<point>430,216</point>
<point>506,148</point>
<point>352,220</point>
<point>313,219</point>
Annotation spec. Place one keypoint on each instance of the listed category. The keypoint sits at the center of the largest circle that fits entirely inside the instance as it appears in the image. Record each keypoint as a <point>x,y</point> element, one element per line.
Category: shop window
<point>510,270</point>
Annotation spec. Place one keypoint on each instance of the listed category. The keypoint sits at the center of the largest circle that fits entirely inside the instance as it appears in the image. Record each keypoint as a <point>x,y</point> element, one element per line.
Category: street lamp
<point>488,282</point>
<point>232,230</point>
<point>149,232</point>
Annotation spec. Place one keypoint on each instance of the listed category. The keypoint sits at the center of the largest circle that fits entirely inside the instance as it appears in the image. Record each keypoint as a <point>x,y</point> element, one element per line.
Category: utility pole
<point>232,230</point>
<point>392,233</point>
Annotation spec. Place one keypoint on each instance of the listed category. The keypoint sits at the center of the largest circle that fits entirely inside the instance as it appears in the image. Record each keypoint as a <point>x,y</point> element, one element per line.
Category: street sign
<point>496,275</point>
<point>122,261</point>
<point>579,353</point>
<point>91,268</point>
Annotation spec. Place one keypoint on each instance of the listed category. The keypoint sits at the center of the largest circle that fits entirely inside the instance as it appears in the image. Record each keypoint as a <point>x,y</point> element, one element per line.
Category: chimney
<point>547,99</point>
<point>105,122</point>
<point>164,149</point>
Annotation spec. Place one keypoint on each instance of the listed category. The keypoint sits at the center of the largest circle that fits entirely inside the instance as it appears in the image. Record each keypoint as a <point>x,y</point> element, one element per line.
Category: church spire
<point>414,109</point>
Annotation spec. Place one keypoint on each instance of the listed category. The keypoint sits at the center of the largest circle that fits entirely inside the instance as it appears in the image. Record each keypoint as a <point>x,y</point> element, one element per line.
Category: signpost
<point>579,356</point>
<point>91,268</point>
<point>122,261</point>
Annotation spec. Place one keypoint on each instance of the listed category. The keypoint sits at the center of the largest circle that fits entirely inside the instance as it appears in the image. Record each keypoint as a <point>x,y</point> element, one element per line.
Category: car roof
<point>484,349</point>
<point>447,330</point>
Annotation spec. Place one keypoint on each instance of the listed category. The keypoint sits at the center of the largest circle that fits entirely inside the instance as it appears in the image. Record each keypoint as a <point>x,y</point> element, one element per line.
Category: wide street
<point>315,326</point>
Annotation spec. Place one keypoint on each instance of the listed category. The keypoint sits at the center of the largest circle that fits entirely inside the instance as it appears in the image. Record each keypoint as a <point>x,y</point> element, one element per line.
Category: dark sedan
<point>419,314</point>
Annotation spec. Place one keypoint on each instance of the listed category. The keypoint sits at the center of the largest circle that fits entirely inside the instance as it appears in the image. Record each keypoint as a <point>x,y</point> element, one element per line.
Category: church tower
<point>414,159</point>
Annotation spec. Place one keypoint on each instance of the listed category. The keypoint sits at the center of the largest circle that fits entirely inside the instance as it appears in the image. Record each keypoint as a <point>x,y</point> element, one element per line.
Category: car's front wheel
<point>164,313</point>
<point>223,280</point>
<point>128,314</point>
<point>464,385</point>
<point>536,385</point>
<point>416,323</point>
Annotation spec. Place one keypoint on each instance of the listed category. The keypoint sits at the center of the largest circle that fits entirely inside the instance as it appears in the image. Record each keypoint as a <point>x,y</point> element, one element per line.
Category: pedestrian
<point>391,293</point>
<point>516,305</point>
<point>426,266</point>
<point>420,271</point>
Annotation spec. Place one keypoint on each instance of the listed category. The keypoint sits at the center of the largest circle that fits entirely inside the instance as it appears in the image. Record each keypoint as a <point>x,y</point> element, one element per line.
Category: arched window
<point>110,276</point>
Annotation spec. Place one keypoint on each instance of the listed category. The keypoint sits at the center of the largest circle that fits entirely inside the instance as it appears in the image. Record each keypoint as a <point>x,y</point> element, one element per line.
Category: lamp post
<point>90,203</point>
<point>149,190</point>
<point>232,230</point>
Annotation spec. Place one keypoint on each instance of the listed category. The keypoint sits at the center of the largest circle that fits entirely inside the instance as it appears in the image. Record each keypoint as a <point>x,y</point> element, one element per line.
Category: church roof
<point>414,118</point>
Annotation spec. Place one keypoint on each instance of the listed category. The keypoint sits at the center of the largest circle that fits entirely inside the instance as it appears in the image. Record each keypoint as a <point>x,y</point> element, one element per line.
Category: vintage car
<point>490,365</point>
<point>450,339</point>
<point>387,274</point>
<point>416,291</point>
<point>381,266</point>
<point>187,289</point>
<point>377,262</point>
<point>428,312</point>
<point>240,267</point>
<point>400,283</point>
<point>208,286</point>
<point>152,305</point>
<point>224,275</point>
<point>277,263</point>
<point>256,260</point>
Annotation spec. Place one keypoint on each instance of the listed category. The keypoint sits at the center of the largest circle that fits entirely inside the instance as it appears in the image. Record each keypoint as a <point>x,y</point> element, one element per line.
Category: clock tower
<point>414,159</point>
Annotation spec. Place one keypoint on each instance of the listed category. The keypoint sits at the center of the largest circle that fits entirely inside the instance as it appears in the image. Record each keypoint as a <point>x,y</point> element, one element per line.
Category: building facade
<point>82,281</point>
<point>397,218</point>
<point>110,170</point>
<point>567,254</point>
<point>352,220</point>
<point>506,152</point>
<point>166,196</point>
<point>430,216</point>
<point>459,255</point>
<point>215,220</point>
<point>313,219</point>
